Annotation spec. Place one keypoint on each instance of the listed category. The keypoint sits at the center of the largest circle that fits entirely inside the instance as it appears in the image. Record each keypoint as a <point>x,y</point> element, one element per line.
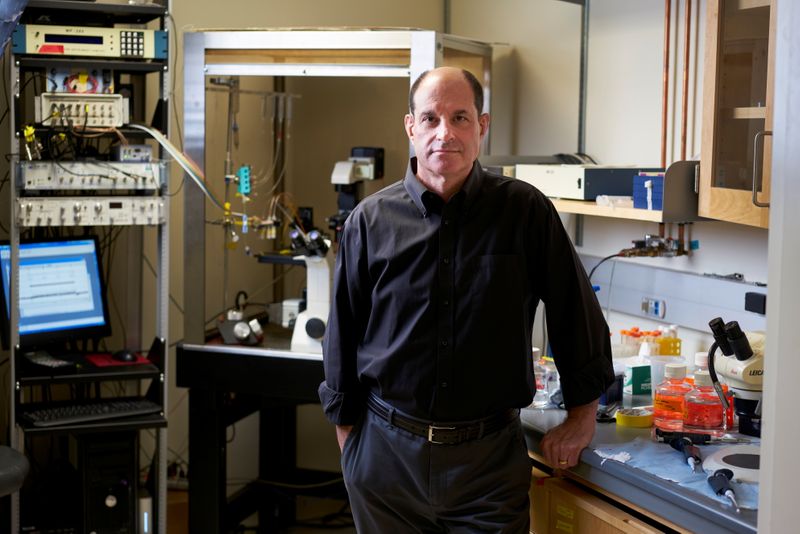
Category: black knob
<point>315,328</point>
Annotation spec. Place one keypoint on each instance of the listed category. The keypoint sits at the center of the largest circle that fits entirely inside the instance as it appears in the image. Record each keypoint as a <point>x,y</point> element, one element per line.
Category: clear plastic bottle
<point>547,382</point>
<point>701,362</point>
<point>703,411</point>
<point>669,398</point>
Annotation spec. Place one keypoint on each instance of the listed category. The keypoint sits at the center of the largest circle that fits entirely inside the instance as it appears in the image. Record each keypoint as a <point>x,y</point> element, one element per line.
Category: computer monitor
<point>62,296</point>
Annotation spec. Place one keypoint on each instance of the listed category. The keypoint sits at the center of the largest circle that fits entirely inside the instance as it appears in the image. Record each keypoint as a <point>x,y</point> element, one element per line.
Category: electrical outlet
<point>654,307</point>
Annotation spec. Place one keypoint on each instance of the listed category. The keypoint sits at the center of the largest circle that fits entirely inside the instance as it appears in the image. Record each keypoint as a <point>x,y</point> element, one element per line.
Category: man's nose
<point>444,131</point>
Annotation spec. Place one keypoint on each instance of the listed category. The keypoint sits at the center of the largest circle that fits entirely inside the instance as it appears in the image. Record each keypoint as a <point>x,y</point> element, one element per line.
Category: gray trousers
<point>399,483</point>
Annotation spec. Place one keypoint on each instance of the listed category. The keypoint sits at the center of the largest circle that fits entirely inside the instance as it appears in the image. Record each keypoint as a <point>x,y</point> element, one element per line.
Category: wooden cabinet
<point>559,505</point>
<point>737,111</point>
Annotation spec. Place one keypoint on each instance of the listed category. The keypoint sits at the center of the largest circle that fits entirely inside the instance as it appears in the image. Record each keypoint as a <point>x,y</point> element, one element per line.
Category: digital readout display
<point>73,39</point>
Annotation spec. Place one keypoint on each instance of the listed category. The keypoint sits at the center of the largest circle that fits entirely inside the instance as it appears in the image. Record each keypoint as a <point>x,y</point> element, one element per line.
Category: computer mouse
<point>124,355</point>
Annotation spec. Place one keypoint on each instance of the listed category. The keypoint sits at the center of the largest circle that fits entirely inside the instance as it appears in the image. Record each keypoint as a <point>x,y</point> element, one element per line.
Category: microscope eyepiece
<point>741,346</point>
<point>717,326</point>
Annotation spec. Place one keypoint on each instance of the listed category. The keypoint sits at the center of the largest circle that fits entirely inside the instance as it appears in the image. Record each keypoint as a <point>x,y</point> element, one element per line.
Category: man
<point>428,348</point>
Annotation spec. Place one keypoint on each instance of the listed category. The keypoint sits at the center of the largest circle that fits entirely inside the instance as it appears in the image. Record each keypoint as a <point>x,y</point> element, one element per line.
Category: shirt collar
<point>416,190</point>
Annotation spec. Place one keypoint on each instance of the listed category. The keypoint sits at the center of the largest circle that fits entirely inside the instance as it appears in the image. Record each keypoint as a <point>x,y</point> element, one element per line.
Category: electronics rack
<point>143,196</point>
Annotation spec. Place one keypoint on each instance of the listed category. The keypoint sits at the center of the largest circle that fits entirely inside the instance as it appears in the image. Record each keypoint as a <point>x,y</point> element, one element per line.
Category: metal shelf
<point>71,12</point>
<point>109,425</point>
<point>42,61</point>
<point>87,374</point>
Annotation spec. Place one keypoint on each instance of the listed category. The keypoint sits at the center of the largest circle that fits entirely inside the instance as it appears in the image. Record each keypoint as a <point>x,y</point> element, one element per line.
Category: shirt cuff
<point>341,408</point>
<point>590,383</point>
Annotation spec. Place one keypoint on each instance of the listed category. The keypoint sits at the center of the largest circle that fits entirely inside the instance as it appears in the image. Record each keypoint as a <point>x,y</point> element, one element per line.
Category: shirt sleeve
<point>342,397</point>
<point>577,331</point>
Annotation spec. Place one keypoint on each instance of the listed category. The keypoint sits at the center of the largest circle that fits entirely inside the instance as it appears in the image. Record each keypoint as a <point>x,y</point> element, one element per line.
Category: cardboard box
<point>637,379</point>
<point>560,506</point>
<point>178,512</point>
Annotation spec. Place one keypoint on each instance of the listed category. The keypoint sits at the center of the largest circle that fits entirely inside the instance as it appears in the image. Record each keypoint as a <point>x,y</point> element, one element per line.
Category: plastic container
<point>669,398</point>
<point>701,362</point>
<point>547,382</point>
<point>703,411</point>
<point>669,344</point>
<point>657,365</point>
<point>649,344</point>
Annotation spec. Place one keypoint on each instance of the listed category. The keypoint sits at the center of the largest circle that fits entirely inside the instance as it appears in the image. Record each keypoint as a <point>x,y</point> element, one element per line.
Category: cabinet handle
<point>757,168</point>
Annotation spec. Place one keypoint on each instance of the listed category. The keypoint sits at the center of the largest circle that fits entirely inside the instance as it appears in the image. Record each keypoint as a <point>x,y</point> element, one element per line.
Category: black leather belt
<point>442,433</point>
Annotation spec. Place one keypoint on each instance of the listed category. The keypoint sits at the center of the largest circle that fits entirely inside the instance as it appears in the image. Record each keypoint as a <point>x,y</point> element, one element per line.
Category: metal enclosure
<point>394,53</point>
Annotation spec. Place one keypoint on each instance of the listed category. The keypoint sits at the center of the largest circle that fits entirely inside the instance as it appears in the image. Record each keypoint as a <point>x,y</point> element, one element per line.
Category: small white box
<point>290,311</point>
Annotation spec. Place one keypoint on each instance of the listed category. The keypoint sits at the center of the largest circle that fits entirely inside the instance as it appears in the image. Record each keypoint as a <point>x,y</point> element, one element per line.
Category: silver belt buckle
<point>432,428</point>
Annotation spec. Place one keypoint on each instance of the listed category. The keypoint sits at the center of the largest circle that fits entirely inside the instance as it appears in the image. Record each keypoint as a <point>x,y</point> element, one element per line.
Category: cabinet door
<point>737,111</point>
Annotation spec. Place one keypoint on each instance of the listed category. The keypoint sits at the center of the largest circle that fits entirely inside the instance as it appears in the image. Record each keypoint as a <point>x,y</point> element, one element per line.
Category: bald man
<point>427,353</point>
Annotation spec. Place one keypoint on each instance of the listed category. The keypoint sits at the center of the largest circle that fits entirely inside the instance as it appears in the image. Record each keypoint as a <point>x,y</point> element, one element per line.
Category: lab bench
<point>666,503</point>
<point>227,383</point>
<point>273,381</point>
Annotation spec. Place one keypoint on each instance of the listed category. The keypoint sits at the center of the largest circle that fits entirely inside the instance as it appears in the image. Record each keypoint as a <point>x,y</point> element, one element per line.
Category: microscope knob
<point>315,328</point>
<point>241,330</point>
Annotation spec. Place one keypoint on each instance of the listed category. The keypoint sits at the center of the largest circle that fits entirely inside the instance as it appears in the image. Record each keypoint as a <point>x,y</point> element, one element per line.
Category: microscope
<point>365,163</point>
<point>743,369</point>
<point>309,327</point>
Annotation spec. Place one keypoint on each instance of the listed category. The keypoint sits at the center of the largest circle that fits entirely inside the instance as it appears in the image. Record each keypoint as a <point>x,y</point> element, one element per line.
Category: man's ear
<point>408,122</point>
<point>484,121</point>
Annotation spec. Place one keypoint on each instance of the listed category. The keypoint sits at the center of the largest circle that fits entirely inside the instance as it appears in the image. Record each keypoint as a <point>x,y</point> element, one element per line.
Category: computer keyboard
<point>89,411</point>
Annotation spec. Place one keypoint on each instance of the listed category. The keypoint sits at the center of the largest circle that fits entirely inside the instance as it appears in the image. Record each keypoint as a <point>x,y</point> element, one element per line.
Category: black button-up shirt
<point>433,303</point>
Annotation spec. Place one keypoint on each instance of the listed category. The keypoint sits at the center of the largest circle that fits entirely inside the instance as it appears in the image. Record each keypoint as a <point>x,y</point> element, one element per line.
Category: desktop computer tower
<point>108,464</point>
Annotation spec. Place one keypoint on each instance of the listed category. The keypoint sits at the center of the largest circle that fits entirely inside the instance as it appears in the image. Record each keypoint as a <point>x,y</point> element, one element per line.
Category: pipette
<point>720,482</point>
<point>689,450</point>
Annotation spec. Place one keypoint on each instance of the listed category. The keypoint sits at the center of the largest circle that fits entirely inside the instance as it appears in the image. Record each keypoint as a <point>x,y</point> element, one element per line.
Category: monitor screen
<point>61,291</point>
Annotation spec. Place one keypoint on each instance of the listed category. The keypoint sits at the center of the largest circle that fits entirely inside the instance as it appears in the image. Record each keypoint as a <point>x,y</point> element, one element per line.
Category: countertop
<point>682,507</point>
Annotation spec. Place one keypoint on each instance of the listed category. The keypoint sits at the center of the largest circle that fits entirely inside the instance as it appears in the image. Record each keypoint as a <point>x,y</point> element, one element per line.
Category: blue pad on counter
<point>663,461</point>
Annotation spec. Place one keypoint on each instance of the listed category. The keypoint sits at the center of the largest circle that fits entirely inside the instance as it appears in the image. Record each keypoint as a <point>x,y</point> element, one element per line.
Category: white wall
<point>545,36</point>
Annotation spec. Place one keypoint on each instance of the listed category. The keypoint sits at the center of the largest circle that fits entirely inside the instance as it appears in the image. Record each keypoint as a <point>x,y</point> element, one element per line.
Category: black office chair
<point>13,470</point>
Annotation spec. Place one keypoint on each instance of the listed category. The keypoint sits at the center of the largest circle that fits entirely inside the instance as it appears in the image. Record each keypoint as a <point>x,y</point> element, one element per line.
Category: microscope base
<point>301,341</point>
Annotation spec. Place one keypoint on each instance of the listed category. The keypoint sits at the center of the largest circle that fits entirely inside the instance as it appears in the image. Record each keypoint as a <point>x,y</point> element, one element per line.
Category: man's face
<point>445,129</point>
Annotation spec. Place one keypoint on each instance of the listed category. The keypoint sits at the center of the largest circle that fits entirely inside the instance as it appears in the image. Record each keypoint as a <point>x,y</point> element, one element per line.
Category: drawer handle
<point>757,168</point>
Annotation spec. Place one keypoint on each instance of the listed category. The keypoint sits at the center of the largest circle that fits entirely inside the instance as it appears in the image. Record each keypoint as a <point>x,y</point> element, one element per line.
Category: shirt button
<point>444,342</point>
<point>446,260</point>
<point>447,222</point>
<point>446,302</point>
<point>443,384</point>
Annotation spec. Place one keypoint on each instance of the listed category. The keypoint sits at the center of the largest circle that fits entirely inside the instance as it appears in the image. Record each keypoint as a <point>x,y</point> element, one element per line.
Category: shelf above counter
<point>680,200</point>
<point>587,207</point>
